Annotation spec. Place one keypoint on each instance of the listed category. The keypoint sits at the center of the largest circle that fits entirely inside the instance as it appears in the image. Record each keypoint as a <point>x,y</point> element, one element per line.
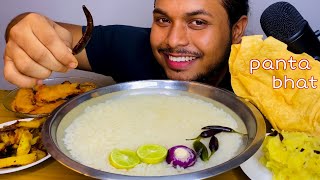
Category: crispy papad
<point>289,109</point>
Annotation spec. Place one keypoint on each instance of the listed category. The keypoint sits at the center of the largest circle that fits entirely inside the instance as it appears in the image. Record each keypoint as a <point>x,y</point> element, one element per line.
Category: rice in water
<point>127,123</point>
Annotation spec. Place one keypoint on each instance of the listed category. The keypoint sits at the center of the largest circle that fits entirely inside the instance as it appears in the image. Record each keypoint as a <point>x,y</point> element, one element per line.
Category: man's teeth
<point>181,59</point>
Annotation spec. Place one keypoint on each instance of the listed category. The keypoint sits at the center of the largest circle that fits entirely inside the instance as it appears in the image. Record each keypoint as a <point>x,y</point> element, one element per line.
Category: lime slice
<point>123,159</point>
<point>152,153</point>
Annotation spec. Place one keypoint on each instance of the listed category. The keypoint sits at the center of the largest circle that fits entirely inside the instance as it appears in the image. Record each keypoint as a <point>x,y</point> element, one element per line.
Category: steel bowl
<point>53,129</point>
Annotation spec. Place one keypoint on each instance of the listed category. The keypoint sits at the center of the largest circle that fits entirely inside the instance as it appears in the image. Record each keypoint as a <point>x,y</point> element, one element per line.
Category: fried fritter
<point>24,101</point>
<point>43,99</point>
<point>47,108</point>
<point>56,92</point>
<point>87,86</point>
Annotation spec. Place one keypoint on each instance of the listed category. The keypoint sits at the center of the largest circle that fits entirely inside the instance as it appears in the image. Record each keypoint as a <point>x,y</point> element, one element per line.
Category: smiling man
<point>189,40</point>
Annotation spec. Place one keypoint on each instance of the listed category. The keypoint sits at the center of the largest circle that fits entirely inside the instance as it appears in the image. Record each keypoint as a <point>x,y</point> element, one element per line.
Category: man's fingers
<point>12,75</point>
<point>51,40</point>
<point>24,64</point>
<point>33,37</point>
<point>37,52</point>
<point>64,35</point>
<point>36,46</point>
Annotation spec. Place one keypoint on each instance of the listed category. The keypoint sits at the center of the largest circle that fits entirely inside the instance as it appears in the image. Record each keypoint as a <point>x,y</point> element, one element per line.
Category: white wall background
<point>130,12</point>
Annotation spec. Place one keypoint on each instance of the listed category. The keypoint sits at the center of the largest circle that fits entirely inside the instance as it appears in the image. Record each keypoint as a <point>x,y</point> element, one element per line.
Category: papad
<point>285,108</point>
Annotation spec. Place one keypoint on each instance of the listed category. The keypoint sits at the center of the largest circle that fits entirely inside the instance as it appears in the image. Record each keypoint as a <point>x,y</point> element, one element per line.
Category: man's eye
<point>198,24</point>
<point>163,20</point>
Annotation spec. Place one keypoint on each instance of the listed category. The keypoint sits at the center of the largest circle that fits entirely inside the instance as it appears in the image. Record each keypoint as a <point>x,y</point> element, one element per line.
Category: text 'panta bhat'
<point>288,94</point>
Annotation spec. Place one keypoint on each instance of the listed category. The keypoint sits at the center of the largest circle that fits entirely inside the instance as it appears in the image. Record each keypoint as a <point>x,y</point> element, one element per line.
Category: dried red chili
<point>86,35</point>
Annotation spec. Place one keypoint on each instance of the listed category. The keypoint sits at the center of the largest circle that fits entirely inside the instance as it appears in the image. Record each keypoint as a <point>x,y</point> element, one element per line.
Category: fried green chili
<point>213,145</point>
<point>221,129</point>
<point>206,134</point>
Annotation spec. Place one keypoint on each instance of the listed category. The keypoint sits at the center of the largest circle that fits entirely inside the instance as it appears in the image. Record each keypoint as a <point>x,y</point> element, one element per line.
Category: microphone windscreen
<point>282,21</point>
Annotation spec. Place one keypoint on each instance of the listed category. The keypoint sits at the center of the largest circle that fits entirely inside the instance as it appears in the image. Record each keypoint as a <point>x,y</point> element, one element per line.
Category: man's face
<point>190,38</point>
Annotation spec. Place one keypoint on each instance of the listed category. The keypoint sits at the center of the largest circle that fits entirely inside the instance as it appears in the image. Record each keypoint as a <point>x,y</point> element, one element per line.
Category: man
<point>190,40</point>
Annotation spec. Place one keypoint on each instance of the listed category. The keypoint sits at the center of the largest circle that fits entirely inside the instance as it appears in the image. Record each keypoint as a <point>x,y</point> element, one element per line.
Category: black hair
<point>235,9</point>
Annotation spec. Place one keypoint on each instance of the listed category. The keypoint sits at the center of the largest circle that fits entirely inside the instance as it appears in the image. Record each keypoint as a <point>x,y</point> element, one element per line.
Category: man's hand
<point>36,46</point>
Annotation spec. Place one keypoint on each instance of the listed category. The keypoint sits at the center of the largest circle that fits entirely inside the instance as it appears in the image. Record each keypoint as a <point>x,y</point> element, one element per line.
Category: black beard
<point>214,71</point>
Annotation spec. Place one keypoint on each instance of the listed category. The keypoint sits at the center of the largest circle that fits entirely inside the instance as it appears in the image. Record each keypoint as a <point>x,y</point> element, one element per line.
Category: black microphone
<point>282,21</point>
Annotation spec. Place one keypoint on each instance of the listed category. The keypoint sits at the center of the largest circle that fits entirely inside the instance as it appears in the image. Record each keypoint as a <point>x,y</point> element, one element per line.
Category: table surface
<point>52,169</point>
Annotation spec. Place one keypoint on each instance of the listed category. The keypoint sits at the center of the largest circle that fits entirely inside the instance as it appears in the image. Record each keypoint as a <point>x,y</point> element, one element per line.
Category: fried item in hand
<point>24,101</point>
<point>289,109</point>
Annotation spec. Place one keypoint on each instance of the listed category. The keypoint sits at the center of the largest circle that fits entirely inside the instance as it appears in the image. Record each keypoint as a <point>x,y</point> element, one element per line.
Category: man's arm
<point>37,46</point>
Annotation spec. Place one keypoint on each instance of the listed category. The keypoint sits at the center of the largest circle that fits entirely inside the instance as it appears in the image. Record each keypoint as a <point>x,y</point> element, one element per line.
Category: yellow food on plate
<point>20,143</point>
<point>24,143</point>
<point>283,85</point>
<point>47,108</point>
<point>24,101</point>
<point>18,160</point>
<point>51,93</point>
<point>35,123</point>
<point>292,155</point>
<point>43,99</point>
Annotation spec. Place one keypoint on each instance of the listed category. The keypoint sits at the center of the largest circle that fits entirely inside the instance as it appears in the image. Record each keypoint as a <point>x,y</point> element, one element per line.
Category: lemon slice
<point>123,159</point>
<point>152,153</point>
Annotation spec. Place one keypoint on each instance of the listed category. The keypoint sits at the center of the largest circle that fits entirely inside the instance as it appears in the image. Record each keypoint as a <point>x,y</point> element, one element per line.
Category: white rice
<point>127,123</point>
